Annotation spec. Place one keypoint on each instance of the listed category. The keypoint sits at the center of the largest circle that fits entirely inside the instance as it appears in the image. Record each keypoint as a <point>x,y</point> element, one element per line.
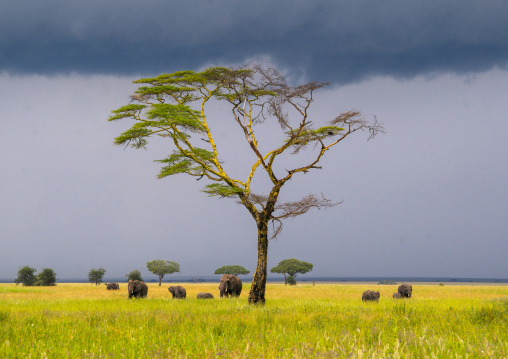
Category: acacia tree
<point>161,267</point>
<point>173,106</point>
<point>293,267</point>
<point>234,269</point>
<point>96,275</point>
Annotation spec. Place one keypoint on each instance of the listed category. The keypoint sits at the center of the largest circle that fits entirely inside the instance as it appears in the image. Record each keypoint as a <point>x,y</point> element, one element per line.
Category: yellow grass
<point>325,320</point>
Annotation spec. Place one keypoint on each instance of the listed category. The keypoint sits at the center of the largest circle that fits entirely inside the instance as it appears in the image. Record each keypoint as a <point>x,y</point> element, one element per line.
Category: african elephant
<point>112,286</point>
<point>396,295</point>
<point>178,292</point>
<point>370,295</point>
<point>202,295</point>
<point>405,290</point>
<point>230,285</point>
<point>137,289</point>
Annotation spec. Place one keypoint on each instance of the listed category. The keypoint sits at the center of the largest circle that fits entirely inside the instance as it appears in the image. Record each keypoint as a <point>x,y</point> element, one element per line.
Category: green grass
<point>325,320</point>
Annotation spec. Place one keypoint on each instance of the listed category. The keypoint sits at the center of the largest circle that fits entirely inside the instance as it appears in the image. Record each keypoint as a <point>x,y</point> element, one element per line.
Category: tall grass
<point>325,320</point>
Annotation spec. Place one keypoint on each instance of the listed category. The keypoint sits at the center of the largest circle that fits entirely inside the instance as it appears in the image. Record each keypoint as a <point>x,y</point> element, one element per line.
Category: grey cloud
<point>340,41</point>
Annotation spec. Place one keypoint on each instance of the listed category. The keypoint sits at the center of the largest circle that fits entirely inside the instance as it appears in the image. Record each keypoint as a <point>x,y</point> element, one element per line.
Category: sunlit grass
<point>83,320</point>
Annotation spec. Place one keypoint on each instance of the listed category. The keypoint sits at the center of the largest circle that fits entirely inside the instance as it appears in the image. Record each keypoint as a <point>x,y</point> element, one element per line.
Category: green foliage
<point>313,136</point>
<point>291,280</point>
<point>182,163</point>
<point>46,278</point>
<point>126,111</point>
<point>162,267</point>
<point>217,189</point>
<point>26,276</point>
<point>96,275</point>
<point>233,269</point>
<point>134,275</point>
<point>293,267</point>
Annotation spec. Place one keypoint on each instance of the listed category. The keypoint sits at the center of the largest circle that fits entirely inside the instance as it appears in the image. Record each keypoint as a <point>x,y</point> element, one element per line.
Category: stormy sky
<point>428,198</point>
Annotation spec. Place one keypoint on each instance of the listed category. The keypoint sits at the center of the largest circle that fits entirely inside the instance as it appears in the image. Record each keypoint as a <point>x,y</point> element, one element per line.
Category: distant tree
<point>234,269</point>
<point>134,275</point>
<point>47,277</point>
<point>293,267</point>
<point>96,275</point>
<point>387,282</point>
<point>161,267</point>
<point>26,276</point>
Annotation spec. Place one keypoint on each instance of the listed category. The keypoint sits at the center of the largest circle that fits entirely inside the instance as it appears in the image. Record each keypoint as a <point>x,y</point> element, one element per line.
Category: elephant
<point>370,295</point>
<point>230,285</point>
<point>405,290</point>
<point>396,295</point>
<point>137,289</point>
<point>178,292</point>
<point>202,295</point>
<point>112,286</point>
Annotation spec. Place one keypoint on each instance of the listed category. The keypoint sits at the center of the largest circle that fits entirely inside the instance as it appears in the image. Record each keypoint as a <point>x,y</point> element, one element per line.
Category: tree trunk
<point>160,279</point>
<point>257,290</point>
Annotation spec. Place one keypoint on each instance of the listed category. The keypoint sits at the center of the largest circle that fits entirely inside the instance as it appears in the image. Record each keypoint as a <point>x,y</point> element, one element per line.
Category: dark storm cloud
<point>342,41</point>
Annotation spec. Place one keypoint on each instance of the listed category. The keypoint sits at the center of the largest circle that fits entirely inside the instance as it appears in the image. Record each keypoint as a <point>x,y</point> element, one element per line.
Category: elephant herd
<point>229,286</point>
<point>404,291</point>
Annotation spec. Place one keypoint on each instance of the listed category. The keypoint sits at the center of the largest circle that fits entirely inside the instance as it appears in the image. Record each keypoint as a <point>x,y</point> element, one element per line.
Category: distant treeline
<point>209,279</point>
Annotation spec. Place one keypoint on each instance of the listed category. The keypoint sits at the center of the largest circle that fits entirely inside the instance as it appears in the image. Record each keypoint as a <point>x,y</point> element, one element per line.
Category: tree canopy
<point>161,267</point>
<point>96,275</point>
<point>174,107</point>
<point>26,276</point>
<point>293,267</point>
<point>47,277</point>
<point>234,269</point>
<point>134,275</point>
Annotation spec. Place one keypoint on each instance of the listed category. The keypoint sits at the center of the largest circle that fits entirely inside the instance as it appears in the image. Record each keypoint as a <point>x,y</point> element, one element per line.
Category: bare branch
<point>294,209</point>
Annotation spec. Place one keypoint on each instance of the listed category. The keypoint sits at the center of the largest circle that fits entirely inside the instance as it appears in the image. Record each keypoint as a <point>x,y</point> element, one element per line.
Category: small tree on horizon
<point>46,278</point>
<point>161,267</point>
<point>26,276</point>
<point>134,275</point>
<point>233,269</point>
<point>293,267</point>
<point>96,275</point>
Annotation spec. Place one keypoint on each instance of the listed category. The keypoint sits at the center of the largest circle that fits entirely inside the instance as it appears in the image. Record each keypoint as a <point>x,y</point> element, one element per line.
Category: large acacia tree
<point>174,106</point>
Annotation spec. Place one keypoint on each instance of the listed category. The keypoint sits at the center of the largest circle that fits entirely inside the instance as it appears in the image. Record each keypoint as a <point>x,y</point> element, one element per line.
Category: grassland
<point>325,320</point>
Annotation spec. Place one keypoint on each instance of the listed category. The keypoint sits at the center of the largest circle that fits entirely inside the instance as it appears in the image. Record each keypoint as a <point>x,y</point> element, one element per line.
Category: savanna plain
<point>321,320</point>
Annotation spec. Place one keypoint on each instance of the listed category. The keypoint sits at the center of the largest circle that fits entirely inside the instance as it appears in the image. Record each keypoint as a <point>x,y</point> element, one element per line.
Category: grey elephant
<point>112,286</point>
<point>178,292</point>
<point>405,290</point>
<point>396,295</point>
<point>202,295</point>
<point>370,295</point>
<point>137,289</point>
<point>230,285</point>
